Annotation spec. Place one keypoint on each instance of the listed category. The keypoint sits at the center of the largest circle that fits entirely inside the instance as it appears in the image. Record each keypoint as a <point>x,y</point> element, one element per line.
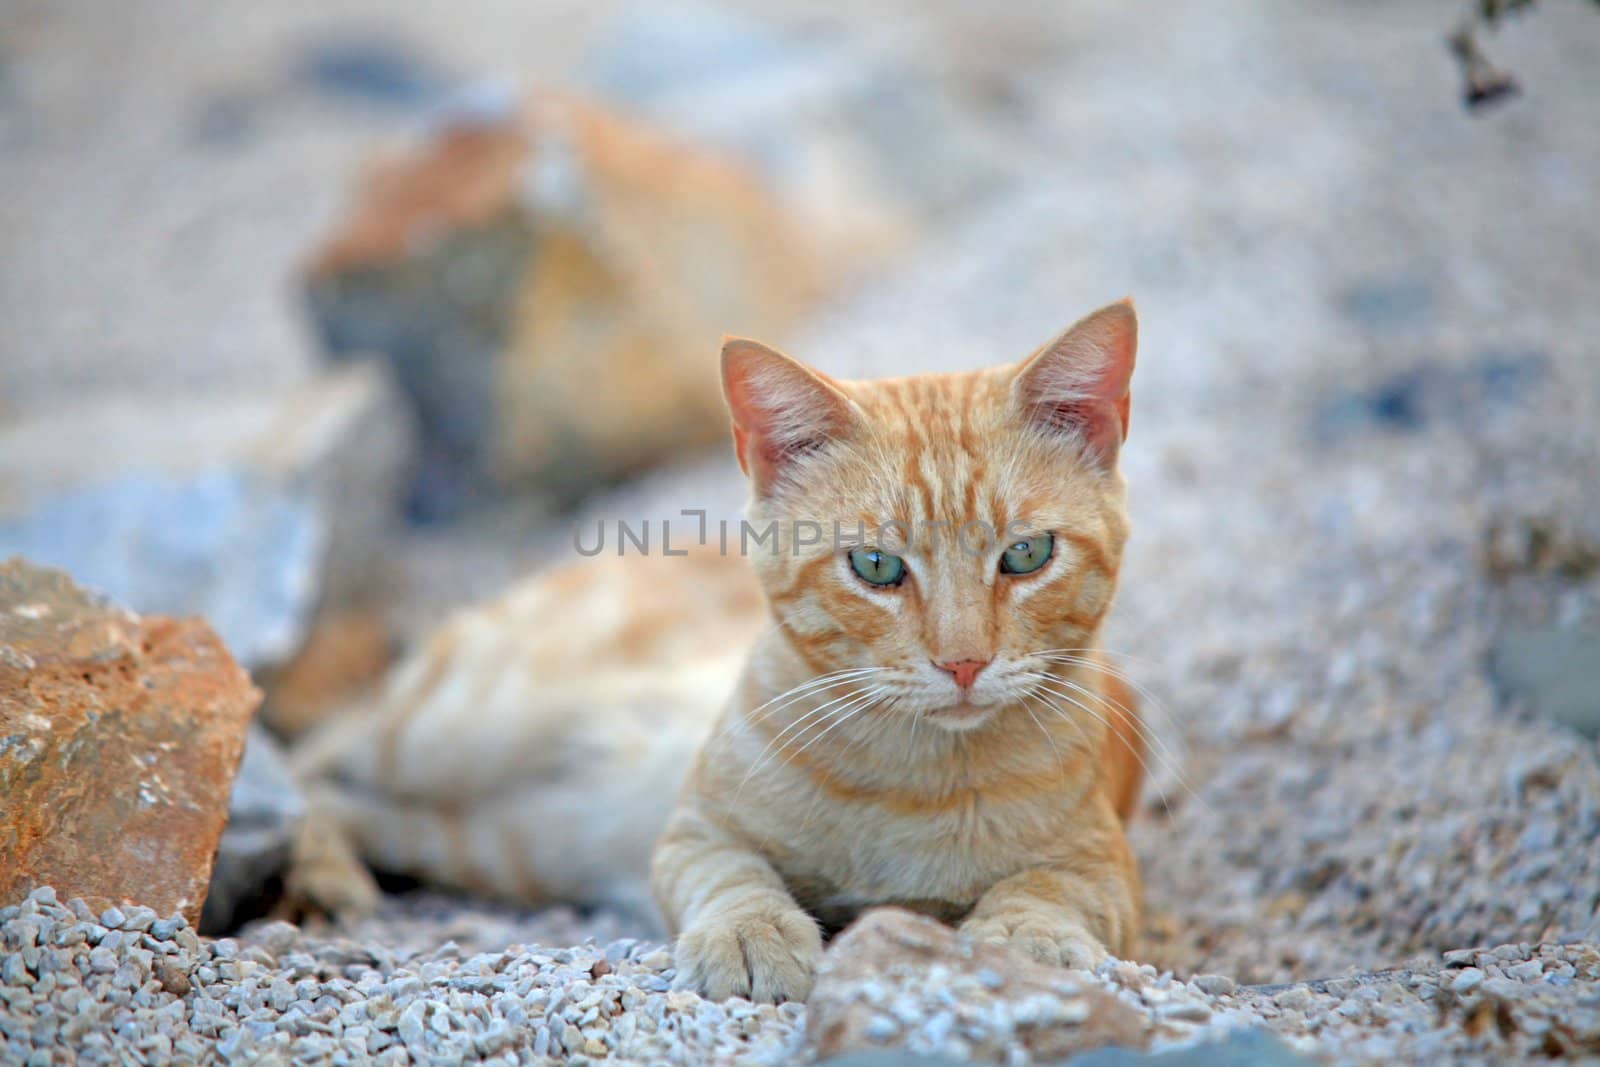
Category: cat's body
<point>929,726</point>
<point>531,747</point>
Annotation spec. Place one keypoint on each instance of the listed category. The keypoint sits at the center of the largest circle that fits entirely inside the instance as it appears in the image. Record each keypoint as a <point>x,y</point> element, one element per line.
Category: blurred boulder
<point>247,509</point>
<point>1555,670</point>
<point>1491,383</point>
<point>119,738</point>
<point>549,282</point>
<point>264,812</point>
<point>867,147</point>
<point>889,951</point>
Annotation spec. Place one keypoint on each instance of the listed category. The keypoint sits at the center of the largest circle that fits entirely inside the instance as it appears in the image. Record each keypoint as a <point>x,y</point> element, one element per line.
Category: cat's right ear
<point>782,410</point>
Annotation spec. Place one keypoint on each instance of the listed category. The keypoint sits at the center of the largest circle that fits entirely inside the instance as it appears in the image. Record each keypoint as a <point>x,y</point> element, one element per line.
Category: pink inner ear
<point>1099,424</point>
<point>781,409</point>
<point>1077,385</point>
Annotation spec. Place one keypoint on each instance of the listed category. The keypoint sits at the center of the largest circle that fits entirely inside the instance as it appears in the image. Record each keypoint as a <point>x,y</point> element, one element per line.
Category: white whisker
<point>842,717</point>
<point>810,687</point>
<point>810,715</point>
<point>1128,715</point>
<point>1028,707</point>
<point>1045,686</point>
<point>1151,705</point>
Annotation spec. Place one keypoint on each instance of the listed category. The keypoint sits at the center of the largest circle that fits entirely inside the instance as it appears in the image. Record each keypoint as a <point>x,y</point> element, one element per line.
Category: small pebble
<point>1531,971</point>
<point>1295,997</point>
<point>1215,984</point>
<point>172,978</point>
<point>1184,1011</point>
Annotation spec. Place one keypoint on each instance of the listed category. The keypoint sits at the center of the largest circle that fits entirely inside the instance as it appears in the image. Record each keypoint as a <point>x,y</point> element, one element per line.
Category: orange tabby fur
<point>530,748</point>
<point>1000,808</point>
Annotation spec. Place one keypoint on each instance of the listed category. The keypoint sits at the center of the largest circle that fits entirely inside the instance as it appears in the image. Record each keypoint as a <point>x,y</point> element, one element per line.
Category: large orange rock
<point>550,282</point>
<point>119,739</point>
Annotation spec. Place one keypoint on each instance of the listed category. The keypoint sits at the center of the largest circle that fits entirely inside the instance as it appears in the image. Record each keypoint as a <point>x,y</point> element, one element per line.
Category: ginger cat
<point>899,737</point>
<point>924,723</point>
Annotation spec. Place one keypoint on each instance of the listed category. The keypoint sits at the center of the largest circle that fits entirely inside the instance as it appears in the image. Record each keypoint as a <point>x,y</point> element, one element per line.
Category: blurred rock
<point>245,509</point>
<point>224,122</point>
<point>264,812</point>
<point>1387,302</point>
<point>889,1059</point>
<point>1022,1004</point>
<point>1491,384</point>
<point>1554,670</point>
<point>867,148</point>
<point>549,283</point>
<point>371,69</point>
<point>119,738</point>
<point>1243,1048</point>
<point>344,652</point>
<point>1539,544</point>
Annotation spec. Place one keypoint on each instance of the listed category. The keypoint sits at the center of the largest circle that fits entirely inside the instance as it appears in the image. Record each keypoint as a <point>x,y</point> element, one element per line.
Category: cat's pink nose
<point>964,671</point>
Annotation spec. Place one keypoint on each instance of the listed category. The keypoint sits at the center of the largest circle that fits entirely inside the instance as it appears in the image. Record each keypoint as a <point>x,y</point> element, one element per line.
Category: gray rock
<point>1214,984</point>
<point>817,114</point>
<point>1555,670</point>
<point>240,508</point>
<point>372,69</point>
<point>888,1059</point>
<point>1409,399</point>
<point>1247,1048</point>
<point>264,812</point>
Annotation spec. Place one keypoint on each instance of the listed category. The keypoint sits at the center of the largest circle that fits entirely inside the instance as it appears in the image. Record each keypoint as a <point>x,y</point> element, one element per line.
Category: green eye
<point>877,568</point>
<point>1025,557</point>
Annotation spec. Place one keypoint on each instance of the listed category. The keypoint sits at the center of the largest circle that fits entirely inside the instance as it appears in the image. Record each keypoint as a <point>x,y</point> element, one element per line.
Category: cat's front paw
<point>766,954</point>
<point>1059,942</point>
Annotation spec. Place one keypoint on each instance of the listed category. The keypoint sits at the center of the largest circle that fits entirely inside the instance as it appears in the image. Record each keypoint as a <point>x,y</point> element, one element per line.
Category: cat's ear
<point>1077,385</point>
<point>782,410</point>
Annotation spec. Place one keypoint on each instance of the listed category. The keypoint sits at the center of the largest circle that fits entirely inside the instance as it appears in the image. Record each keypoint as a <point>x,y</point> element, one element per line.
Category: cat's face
<point>942,534</point>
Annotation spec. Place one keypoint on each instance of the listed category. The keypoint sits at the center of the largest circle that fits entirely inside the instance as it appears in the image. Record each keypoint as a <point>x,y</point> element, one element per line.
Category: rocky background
<point>319,320</point>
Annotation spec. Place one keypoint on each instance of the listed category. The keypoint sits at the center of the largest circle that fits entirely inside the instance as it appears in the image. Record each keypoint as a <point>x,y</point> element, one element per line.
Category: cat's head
<point>986,510</point>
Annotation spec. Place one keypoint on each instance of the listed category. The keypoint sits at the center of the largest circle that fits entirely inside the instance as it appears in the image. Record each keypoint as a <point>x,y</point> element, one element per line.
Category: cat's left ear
<point>1077,385</point>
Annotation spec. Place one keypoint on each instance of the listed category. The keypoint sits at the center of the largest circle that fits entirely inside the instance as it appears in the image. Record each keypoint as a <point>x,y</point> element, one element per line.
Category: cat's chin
<point>959,718</point>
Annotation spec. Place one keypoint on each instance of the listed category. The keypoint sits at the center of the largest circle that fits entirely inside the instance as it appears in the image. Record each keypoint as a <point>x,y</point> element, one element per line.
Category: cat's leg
<point>1074,913</point>
<point>739,932</point>
<point>325,874</point>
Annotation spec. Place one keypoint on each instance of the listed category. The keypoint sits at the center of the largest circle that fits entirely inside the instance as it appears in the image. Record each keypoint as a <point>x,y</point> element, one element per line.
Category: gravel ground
<point>1367,388</point>
<point>129,986</point>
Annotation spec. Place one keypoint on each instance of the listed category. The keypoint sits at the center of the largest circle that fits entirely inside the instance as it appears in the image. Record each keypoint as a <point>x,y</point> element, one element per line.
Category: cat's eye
<point>1025,557</point>
<point>877,568</point>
